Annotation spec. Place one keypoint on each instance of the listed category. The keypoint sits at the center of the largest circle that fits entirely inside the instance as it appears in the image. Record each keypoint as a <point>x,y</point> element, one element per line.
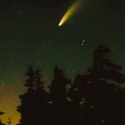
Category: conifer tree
<point>30,82</point>
<point>33,103</point>
<point>77,95</point>
<point>26,108</point>
<point>58,96</point>
<point>98,90</point>
<point>103,87</point>
<point>40,99</point>
<point>105,68</point>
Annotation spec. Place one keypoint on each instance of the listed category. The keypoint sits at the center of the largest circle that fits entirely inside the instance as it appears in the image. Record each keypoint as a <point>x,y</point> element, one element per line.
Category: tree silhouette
<point>58,95</point>
<point>1,122</point>
<point>104,67</point>
<point>77,95</point>
<point>30,82</point>
<point>101,99</point>
<point>40,99</point>
<point>121,105</point>
<point>94,98</point>
<point>33,102</point>
<point>1,113</point>
<point>96,94</point>
<point>27,106</point>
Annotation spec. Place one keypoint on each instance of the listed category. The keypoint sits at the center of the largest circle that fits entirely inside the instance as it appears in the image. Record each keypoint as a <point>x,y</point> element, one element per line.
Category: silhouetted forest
<point>95,98</point>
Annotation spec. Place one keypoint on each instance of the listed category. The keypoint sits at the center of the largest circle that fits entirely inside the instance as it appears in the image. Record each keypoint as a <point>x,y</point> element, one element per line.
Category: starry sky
<point>29,34</point>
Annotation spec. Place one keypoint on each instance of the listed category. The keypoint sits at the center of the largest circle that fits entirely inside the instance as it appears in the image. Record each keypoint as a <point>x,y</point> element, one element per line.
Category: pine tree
<point>30,82</point>
<point>39,83</point>
<point>40,99</point>
<point>103,88</point>
<point>77,95</point>
<point>33,103</point>
<point>58,95</point>
<point>105,68</point>
<point>27,106</point>
<point>96,94</point>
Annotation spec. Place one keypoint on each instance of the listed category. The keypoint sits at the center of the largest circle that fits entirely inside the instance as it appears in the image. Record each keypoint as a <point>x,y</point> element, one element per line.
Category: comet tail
<point>69,12</point>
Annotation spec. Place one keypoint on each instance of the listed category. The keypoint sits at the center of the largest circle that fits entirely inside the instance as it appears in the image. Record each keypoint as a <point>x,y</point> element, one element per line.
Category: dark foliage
<point>58,96</point>
<point>94,98</point>
<point>33,101</point>
<point>1,113</point>
<point>1,122</point>
<point>96,94</point>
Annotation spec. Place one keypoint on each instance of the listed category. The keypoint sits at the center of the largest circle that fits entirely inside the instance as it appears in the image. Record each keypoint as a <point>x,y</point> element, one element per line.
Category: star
<point>83,42</point>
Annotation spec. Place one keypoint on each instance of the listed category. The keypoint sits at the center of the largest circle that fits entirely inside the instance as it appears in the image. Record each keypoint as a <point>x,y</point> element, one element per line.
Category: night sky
<point>29,34</point>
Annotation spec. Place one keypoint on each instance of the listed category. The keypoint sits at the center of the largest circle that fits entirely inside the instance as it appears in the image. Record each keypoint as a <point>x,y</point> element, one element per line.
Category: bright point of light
<point>83,42</point>
<point>59,24</point>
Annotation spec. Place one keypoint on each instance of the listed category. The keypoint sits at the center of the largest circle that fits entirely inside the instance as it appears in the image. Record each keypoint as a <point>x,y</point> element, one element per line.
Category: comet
<point>69,12</point>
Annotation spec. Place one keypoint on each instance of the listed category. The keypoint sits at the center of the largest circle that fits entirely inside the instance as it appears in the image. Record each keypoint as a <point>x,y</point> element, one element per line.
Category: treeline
<point>94,98</point>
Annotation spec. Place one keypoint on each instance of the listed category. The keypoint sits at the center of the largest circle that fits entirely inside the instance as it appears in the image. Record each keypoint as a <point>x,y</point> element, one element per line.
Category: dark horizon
<point>73,103</point>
